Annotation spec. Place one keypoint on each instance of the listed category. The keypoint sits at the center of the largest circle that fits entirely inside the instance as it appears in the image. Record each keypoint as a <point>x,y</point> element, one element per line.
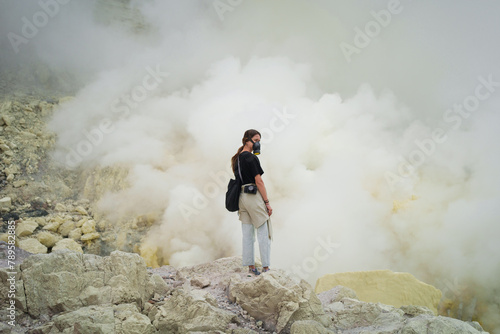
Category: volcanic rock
<point>33,246</point>
<point>277,300</point>
<point>25,228</point>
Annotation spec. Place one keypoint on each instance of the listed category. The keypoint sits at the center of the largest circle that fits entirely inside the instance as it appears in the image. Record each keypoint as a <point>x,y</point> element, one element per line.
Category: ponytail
<point>234,159</point>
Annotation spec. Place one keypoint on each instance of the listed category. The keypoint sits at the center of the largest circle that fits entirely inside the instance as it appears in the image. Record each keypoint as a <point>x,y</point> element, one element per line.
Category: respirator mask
<point>256,147</point>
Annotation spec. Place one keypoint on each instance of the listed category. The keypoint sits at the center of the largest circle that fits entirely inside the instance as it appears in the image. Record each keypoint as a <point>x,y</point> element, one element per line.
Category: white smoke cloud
<point>333,129</point>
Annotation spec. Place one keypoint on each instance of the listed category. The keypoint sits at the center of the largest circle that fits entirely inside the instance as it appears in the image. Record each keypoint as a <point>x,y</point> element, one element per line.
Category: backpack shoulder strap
<point>239,169</point>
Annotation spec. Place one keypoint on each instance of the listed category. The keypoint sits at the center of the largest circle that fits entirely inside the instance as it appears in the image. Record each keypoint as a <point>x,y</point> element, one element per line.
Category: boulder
<point>200,282</point>
<point>75,234</point>
<point>19,183</point>
<point>26,228</point>
<point>66,227</point>
<point>52,226</point>
<point>88,227</point>
<point>66,281</point>
<point>129,320</point>
<point>384,286</point>
<point>187,311</point>
<point>60,207</point>
<point>33,246</point>
<point>90,236</point>
<point>5,203</point>
<point>67,244</point>
<point>91,319</point>
<point>81,222</point>
<point>277,300</point>
<point>48,239</point>
<point>81,210</point>
<point>159,285</point>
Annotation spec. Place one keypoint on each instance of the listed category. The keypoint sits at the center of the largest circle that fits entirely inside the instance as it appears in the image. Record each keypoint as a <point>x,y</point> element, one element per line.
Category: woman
<point>254,207</point>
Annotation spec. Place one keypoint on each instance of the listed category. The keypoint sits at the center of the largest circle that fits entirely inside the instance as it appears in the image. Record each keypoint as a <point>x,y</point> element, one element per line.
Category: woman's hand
<point>269,209</point>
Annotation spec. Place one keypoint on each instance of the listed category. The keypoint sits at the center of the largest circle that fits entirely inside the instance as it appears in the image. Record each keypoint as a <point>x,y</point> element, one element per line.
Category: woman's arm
<point>262,189</point>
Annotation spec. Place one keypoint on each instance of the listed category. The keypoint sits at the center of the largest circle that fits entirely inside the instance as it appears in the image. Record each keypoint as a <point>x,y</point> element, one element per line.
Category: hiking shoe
<point>254,271</point>
<point>265,270</point>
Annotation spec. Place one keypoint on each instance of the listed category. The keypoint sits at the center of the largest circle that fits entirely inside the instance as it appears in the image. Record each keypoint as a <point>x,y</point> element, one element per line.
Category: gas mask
<point>256,147</point>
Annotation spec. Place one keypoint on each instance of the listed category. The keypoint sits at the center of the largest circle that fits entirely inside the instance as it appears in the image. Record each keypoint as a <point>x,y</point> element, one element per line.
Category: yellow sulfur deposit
<point>149,254</point>
<point>384,286</point>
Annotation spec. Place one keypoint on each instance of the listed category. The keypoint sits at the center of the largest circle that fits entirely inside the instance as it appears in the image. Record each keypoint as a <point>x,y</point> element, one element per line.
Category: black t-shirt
<point>250,167</point>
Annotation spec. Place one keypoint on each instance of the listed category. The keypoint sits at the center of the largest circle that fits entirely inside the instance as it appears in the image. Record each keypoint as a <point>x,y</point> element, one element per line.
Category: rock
<point>26,228</point>
<point>309,327</point>
<point>81,210</point>
<point>88,227</point>
<point>336,294</point>
<point>90,319</point>
<point>159,285</point>
<point>200,282</point>
<point>19,183</point>
<point>60,207</point>
<point>66,281</point>
<point>81,222</point>
<point>75,234</point>
<point>413,311</point>
<point>90,236</point>
<point>7,277</point>
<point>187,311</point>
<point>48,239</point>
<point>441,325</point>
<point>384,286</point>
<point>52,226</point>
<point>360,315</point>
<point>277,300</point>
<point>131,321</point>
<point>104,319</point>
<point>67,244</point>
<point>33,246</point>
<point>6,120</point>
<point>5,203</point>
<point>66,227</point>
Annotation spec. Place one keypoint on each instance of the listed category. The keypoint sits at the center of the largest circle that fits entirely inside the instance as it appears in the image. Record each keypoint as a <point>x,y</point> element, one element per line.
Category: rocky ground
<point>69,292</point>
<point>54,207</point>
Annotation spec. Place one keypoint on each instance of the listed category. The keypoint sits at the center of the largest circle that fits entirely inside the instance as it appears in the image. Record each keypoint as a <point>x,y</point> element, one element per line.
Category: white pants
<point>248,244</point>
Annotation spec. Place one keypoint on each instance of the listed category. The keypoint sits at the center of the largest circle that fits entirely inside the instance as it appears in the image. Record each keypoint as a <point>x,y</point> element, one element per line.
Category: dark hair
<point>246,137</point>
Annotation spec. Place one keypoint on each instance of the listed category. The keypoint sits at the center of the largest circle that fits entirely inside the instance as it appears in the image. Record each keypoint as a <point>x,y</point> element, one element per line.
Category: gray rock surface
<point>351,316</point>
<point>187,311</point>
<point>70,292</point>
<point>65,281</point>
<point>277,300</point>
